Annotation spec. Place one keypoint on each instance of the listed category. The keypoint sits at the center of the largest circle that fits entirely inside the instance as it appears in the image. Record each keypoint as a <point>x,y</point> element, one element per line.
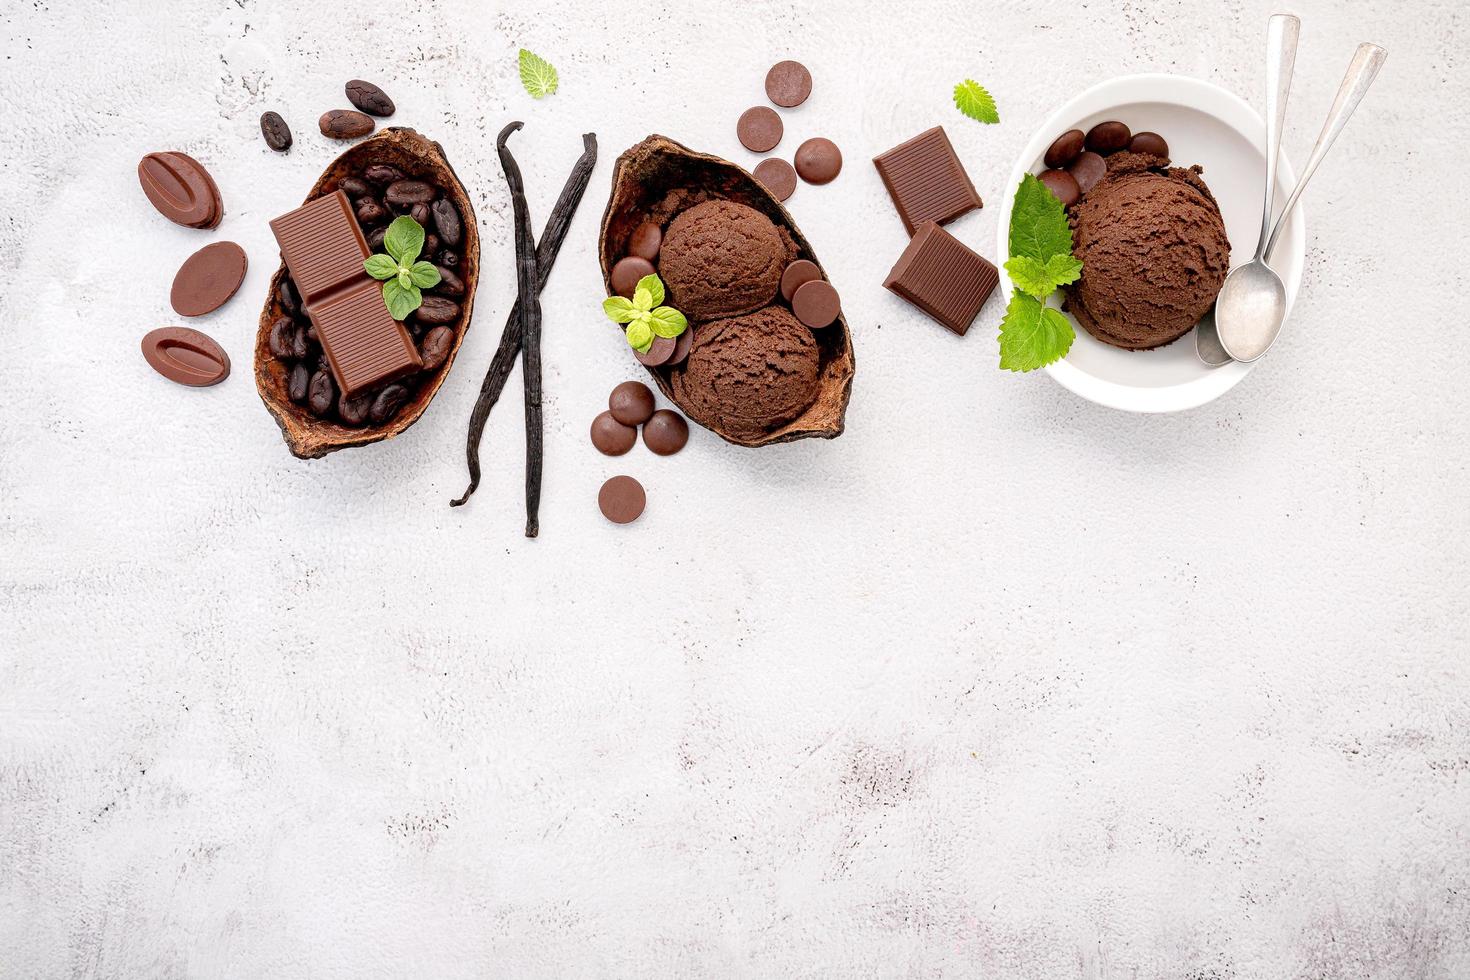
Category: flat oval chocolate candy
<point>208,278</point>
<point>181,189</point>
<point>186,356</point>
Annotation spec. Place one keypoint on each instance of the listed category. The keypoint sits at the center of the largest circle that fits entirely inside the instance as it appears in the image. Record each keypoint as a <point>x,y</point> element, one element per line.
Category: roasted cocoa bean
<point>344,124</point>
<point>323,364</point>
<point>290,299</point>
<point>277,134</point>
<point>436,310</point>
<point>446,222</point>
<point>449,257</point>
<point>300,344</point>
<point>311,333</point>
<point>403,193</point>
<point>370,212</point>
<point>449,283</point>
<point>354,410</point>
<point>387,403</point>
<point>354,187</point>
<point>435,347</point>
<point>382,173</point>
<point>431,244</point>
<point>369,98</point>
<point>375,238</point>
<point>297,382</point>
<point>420,213</point>
<point>283,334</point>
<point>321,393</point>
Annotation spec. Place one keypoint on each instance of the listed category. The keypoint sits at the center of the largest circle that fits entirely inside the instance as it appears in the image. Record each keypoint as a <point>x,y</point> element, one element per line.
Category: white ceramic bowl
<point>1204,125</point>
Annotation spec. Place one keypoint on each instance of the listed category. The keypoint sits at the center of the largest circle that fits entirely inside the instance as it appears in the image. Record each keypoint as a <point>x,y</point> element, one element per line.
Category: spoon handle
<point>1360,74</point>
<point>1282,32</point>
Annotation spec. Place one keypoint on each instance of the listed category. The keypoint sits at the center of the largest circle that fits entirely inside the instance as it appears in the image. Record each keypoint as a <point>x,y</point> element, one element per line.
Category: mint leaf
<point>1032,335</point>
<point>402,300</point>
<point>381,267</point>
<point>971,98</point>
<point>537,75</point>
<point>655,287</point>
<point>1041,279</point>
<point>640,336</point>
<point>668,322</point>
<point>424,274</point>
<point>619,309</point>
<point>642,299</point>
<point>404,240</point>
<point>1039,226</point>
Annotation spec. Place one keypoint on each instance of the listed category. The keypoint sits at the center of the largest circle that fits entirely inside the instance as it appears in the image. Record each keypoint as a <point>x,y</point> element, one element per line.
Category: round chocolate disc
<point>818,161</point>
<point>816,304</point>
<point>1108,137</point>
<point>1062,184</point>
<point>1150,143</point>
<point>622,499</point>
<point>777,176</point>
<point>611,437</point>
<point>1064,149</point>
<point>645,241</point>
<point>682,343</point>
<point>208,278</point>
<point>788,83</point>
<point>798,274</point>
<point>627,272</point>
<point>1087,170</point>
<point>658,352</point>
<point>759,129</point>
<point>665,432</point>
<point>631,403</point>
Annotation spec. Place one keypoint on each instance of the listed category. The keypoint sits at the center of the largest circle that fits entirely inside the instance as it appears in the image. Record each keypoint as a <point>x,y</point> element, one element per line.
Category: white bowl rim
<point>1192,93</point>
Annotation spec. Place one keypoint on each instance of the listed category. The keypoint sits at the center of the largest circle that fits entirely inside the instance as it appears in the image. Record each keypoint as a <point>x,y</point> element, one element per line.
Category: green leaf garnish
<point>1039,226</point>
<point>401,300</point>
<point>404,240</point>
<point>403,276</point>
<point>381,267</point>
<point>640,336</point>
<point>642,300</point>
<point>667,322</point>
<point>971,98</point>
<point>537,75</point>
<point>1041,279</point>
<point>1033,335</point>
<point>655,287</point>
<point>424,274</point>
<point>645,319</point>
<point>619,309</point>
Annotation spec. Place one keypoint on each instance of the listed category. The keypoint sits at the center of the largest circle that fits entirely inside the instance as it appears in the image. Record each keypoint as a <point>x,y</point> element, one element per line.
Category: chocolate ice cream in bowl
<point>1161,208</point>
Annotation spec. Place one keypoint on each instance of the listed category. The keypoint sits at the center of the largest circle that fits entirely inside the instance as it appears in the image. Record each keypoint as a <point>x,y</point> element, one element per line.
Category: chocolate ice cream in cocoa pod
<point>395,172</point>
<point>657,181</point>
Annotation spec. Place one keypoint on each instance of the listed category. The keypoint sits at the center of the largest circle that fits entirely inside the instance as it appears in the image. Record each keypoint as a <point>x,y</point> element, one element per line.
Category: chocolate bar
<point>323,246</point>
<point>943,277</point>
<point>926,180</point>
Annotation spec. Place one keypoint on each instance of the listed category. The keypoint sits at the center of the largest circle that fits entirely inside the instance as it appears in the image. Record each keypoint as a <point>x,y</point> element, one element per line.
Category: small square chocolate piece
<point>926,180</point>
<point>363,342</point>
<point>322,244</point>
<point>943,277</point>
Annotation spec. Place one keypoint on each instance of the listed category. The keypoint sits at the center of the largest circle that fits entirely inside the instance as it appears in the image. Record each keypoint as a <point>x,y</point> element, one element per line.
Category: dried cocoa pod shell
<point>657,179</point>
<point>307,436</point>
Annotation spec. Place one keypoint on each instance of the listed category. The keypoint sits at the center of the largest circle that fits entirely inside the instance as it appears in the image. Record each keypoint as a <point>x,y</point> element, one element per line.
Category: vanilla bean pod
<point>504,360</point>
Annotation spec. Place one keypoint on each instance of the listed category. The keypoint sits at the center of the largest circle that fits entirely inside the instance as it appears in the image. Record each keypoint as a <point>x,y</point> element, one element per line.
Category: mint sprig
<point>971,98</point>
<point>1033,334</point>
<point>537,75</point>
<point>643,314</point>
<point>405,276</point>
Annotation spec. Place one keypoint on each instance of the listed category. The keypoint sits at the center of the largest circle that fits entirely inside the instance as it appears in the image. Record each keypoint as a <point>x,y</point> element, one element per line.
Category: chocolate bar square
<point>926,180</point>
<point>943,277</point>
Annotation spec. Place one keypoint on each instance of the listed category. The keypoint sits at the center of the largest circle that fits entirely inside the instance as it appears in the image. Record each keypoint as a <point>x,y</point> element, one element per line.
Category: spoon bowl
<point>1250,310</point>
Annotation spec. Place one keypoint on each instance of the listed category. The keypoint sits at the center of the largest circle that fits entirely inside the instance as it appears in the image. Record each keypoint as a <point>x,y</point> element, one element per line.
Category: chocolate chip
<point>611,437</point>
<point>344,124</point>
<point>818,161</point>
<point>759,129</point>
<point>658,352</point>
<point>1108,137</point>
<point>798,274</point>
<point>627,272</point>
<point>622,499</point>
<point>1087,170</point>
<point>186,356</point>
<point>665,432</point>
<point>208,278</point>
<point>777,176</point>
<point>631,403</point>
<point>277,134</point>
<point>816,304</point>
<point>645,241</point>
<point>1062,184</point>
<point>181,189</point>
<point>788,83</point>
<point>1150,143</point>
<point>369,98</point>
<point>1064,149</point>
<point>682,343</point>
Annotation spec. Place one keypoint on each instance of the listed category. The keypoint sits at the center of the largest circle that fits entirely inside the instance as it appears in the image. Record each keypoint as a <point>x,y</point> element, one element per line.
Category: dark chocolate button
<point>627,272</point>
<point>622,499</point>
<point>816,304</point>
<point>631,403</point>
<point>658,352</point>
<point>759,129</point>
<point>788,83</point>
<point>798,274</point>
<point>665,432</point>
<point>682,343</point>
<point>1062,184</point>
<point>208,278</point>
<point>181,189</point>
<point>1151,143</point>
<point>1064,149</point>
<point>777,176</point>
<point>611,437</point>
<point>1108,137</point>
<point>645,241</point>
<point>818,161</point>
<point>186,356</point>
<point>1087,170</point>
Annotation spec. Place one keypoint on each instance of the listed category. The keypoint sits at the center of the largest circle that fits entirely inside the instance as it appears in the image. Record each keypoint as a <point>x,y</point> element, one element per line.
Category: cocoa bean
<point>446,222</point>
<point>277,134</point>
<point>387,403</point>
<point>297,382</point>
<point>344,124</point>
<point>369,98</point>
<point>403,193</point>
<point>436,310</point>
<point>436,347</point>
<point>321,393</point>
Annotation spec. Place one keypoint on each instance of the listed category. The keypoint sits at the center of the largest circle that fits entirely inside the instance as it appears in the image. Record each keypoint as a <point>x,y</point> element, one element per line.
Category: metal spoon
<point>1282,32</point>
<point>1252,304</point>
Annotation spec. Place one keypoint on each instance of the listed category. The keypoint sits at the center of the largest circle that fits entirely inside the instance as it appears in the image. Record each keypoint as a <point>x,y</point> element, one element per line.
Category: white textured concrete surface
<point>999,684</point>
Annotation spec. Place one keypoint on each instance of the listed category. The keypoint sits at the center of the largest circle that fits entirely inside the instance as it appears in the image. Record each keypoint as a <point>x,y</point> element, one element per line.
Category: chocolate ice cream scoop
<point>1153,249</point>
<point>751,374</point>
<point>720,258</point>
